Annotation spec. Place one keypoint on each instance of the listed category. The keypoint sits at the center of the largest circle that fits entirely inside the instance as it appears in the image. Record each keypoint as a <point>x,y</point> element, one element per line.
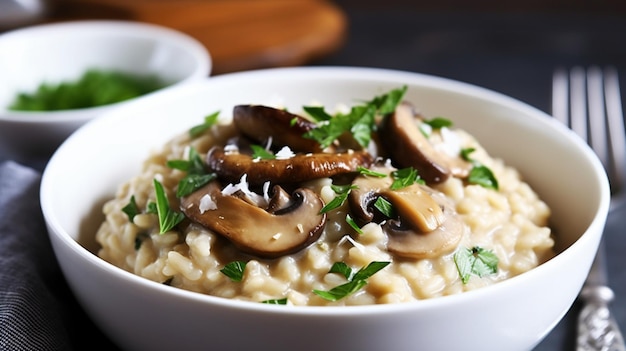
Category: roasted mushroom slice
<point>301,167</point>
<point>408,147</point>
<point>261,123</point>
<point>426,224</point>
<point>254,230</point>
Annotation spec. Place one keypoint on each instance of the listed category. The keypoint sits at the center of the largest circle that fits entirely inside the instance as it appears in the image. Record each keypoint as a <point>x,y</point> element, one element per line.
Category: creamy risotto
<point>370,204</point>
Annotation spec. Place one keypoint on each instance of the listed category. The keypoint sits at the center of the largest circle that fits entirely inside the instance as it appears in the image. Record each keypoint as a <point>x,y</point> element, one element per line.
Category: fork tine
<point>578,102</point>
<point>560,106</point>
<point>617,134</point>
<point>597,122</point>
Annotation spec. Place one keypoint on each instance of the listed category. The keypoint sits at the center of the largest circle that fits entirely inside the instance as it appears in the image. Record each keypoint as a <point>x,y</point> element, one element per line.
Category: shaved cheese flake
<point>285,153</point>
<point>207,204</point>
<point>231,148</point>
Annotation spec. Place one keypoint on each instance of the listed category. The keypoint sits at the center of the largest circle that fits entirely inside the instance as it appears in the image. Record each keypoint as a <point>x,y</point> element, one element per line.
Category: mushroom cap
<point>262,123</point>
<point>252,229</point>
<point>301,167</point>
<point>408,147</point>
<point>426,226</point>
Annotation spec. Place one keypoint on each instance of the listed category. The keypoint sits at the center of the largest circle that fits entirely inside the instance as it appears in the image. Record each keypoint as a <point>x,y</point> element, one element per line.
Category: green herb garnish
<point>360,121</point>
<point>438,122</point>
<point>356,281</point>
<point>342,192</point>
<point>385,207</point>
<point>94,88</point>
<point>139,240</point>
<point>168,218</point>
<point>482,175</point>
<point>317,113</point>
<point>131,208</point>
<point>405,177</point>
<point>259,152</point>
<point>234,270</point>
<point>196,174</point>
<point>368,172</point>
<point>479,174</point>
<point>477,261</point>
<point>209,121</point>
<point>282,301</point>
<point>353,224</point>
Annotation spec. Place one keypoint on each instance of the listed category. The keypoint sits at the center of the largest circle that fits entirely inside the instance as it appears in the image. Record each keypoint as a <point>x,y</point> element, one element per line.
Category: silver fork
<point>589,102</point>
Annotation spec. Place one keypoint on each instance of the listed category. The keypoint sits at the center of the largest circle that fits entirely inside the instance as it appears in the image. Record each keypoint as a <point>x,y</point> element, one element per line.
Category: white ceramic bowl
<point>58,52</point>
<point>142,315</point>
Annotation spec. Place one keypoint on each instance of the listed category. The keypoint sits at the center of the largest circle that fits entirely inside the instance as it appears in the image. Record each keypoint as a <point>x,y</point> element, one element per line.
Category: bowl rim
<point>136,29</point>
<point>353,73</point>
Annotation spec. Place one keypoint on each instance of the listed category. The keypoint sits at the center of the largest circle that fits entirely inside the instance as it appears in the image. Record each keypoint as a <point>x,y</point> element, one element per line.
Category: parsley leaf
<point>385,207</point>
<point>482,175</point>
<point>342,192</point>
<point>438,122</point>
<point>355,282</point>
<point>168,218</point>
<point>259,152</point>
<point>234,270</point>
<point>405,177</point>
<point>209,121</point>
<point>131,208</point>
<point>353,224</point>
<point>341,268</point>
<point>360,121</point>
<point>193,182</point>
<point>196,174</point>
<point>477,261</point>
<point>479,174</point>
<point>317,113</point>
<point>282,301</point>
<point>368,172</point>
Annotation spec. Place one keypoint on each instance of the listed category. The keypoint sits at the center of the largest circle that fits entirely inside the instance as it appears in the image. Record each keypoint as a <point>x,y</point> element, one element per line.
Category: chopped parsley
<point>196,174</point>
<point>475,261</point>
<point>385,207</point>
<point>261,153</point>
<point>342,192</point>
<point>95,87</point>
<point>368,172</point>
<point>131,208</point>
<point>168,218</point>
<point>360,121</point>
<point>139,240</point>
<point>317,113</point>
<point>353,224</point>
<point>356,281</point>
<point>209,121</point>
<point>282,301</point>
<point>234,270</point>
<point>479,174</point>
<point>405,177</point>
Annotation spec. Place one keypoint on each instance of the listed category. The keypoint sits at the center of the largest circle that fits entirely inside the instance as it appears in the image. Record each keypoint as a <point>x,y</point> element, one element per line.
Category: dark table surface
<point>512,52</point>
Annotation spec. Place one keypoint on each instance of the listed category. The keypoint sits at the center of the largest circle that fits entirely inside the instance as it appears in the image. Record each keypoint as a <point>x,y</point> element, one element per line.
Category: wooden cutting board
<point>239,34</point>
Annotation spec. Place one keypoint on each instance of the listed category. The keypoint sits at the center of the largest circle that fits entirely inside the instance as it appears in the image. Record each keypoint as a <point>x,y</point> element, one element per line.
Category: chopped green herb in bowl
<point>96,87</point>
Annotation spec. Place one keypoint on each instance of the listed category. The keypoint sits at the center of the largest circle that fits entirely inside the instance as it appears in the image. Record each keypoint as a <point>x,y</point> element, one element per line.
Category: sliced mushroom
<point>410,148</point>
<point>426,225</point>
<point>252,229</point>
<point>261,123</point>
<point>302,167</point>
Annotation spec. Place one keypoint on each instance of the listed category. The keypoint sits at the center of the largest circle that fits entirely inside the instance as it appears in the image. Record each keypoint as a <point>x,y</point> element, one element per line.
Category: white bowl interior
<point>88,167</point>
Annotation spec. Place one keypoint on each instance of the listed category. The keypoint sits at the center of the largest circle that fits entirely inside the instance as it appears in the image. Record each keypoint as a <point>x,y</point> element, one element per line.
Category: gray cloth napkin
<point>37,309</point>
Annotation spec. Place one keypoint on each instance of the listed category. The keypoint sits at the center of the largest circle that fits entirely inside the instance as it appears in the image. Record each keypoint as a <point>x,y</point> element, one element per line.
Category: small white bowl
<point>139,314</point>
<point>58,52</point>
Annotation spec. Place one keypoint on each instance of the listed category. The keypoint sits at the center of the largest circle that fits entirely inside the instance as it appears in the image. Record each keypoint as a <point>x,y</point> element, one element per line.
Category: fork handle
<point>597,329</point>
